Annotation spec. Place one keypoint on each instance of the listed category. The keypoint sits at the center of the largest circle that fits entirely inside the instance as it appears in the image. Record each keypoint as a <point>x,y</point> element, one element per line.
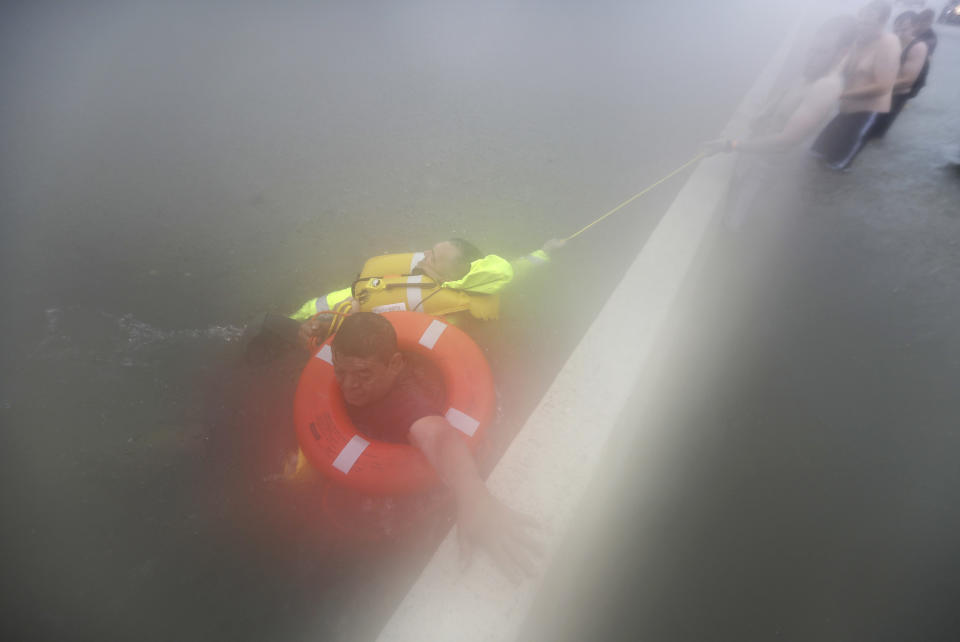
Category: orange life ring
<point>332,444</point>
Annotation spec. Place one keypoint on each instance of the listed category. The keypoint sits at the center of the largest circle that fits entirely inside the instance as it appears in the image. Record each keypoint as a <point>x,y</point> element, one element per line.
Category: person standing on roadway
<point>914,33</point>
<point>870,72</point>
<point>786,124</point>
<point>796,114</point>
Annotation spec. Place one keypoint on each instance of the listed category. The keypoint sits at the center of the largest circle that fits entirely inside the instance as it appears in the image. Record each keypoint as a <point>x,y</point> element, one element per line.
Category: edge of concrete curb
<point>549,465</point>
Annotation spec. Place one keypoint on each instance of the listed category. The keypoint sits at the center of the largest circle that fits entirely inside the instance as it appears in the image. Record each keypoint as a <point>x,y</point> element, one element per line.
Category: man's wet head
<point>449,260</point>
<point>924,21</point>
<point>903,25</point>
<point>366,361</point>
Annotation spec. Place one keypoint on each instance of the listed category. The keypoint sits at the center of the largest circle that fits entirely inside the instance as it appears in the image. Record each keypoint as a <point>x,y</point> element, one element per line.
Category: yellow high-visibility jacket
<point>387,282</point>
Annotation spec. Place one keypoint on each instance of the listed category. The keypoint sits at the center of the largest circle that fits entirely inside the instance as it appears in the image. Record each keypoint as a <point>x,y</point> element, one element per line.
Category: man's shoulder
<point>890,42</point>
<point>918,47</point>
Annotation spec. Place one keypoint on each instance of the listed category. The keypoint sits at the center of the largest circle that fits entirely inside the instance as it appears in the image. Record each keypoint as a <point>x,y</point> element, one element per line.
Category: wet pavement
<point>806,484</point>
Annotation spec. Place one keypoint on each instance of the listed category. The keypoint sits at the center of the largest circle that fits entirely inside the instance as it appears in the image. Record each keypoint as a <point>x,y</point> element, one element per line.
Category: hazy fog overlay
<point>790,474</point>
<point>170,169</point>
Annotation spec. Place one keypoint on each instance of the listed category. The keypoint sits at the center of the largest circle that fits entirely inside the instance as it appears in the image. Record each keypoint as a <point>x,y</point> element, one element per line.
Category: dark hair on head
<point>468,251</point>
<point>365,335</point>
<point>906,16</point>
<point>925,18</point>
<point>881,8</point>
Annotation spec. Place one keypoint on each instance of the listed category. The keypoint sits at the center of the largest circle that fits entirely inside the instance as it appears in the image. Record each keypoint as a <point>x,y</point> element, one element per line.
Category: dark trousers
<point>884,121</point>
<point>843,138</point>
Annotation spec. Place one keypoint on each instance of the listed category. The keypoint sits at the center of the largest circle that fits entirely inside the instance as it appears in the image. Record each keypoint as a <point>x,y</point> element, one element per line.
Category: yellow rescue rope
<point>637,195</point>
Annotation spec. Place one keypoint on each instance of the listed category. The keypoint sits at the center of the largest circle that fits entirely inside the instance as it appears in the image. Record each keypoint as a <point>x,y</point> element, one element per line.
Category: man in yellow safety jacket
<point>452,280</point>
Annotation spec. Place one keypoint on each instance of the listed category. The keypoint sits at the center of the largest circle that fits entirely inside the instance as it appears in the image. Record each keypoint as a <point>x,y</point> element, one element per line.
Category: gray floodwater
<point>169,170</point>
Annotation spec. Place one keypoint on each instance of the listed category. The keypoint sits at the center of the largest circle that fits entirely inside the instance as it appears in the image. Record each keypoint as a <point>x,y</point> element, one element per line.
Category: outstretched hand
<point>553,244</point>
<point>484,522</point>
<point>315,328</point>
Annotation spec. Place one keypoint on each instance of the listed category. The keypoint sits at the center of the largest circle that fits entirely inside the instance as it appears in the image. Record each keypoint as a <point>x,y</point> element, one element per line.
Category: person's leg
<point>880,126</point>
<point>851,139</point>
<point>884,121</point>
<point>826,144</point>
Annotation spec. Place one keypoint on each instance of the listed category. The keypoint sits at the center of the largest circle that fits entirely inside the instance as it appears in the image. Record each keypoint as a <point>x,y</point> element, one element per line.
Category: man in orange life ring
<point>388,401</point>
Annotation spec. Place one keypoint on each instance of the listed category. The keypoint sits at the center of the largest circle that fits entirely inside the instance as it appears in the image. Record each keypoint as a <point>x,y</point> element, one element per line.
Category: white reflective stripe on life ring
<point>429,337</point>
<point>326,354</point>
<point>414,295</point>
<point>417,257</point>
<point>350,454</point>
<point>462,421</point>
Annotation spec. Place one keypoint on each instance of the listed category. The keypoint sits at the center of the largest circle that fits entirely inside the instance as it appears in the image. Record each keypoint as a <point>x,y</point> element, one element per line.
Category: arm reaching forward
<point>482,520</point>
